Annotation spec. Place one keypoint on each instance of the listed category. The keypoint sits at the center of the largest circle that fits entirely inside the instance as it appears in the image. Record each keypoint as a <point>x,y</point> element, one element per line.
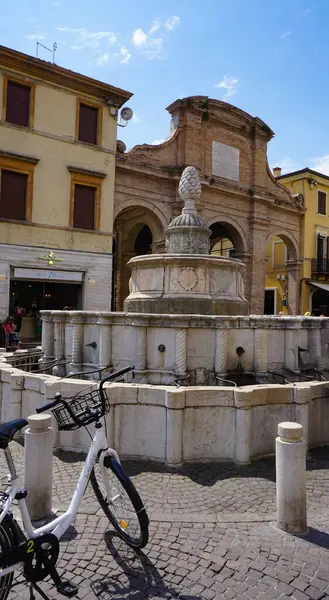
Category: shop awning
<point>321,286</point>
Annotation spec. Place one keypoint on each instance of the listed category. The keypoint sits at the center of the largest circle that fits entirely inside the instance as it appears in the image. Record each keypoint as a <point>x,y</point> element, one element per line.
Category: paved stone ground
<point>212,536</point>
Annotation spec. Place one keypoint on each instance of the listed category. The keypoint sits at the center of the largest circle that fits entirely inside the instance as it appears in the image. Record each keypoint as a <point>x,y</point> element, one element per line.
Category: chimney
<point>277,171</point>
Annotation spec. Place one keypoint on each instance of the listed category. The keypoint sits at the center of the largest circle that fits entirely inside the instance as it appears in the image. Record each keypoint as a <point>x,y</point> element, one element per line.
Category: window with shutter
<point>13,195</point>
<point>88,124</point>
<point>322,203</point>
<point>84,207</point>
<point>18,103</point>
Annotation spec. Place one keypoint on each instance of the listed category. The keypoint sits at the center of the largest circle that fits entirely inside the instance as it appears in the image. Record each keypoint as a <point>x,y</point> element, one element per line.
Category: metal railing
<point>320,266</point>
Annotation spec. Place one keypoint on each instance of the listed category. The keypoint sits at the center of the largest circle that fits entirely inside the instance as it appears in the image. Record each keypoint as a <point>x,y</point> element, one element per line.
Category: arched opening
<point>277,293</point>
<point>320,303</point>
<point>225,240</point>
<point>143,241</point>
<point>137,232</point>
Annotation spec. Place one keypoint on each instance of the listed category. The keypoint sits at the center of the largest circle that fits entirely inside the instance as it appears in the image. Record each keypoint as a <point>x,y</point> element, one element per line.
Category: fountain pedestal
<point>187,279</point>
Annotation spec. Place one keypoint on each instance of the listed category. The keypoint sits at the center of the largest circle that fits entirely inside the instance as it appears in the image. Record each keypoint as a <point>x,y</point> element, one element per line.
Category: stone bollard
<point>291,478</point>
<point>38,463</point>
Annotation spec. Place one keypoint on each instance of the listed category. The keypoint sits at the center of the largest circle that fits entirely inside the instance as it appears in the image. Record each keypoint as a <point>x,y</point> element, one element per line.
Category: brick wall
<point>253,208</point>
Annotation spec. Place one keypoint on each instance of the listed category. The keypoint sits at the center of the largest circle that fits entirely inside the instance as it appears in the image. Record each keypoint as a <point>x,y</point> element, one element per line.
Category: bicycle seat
<point>8,430</point>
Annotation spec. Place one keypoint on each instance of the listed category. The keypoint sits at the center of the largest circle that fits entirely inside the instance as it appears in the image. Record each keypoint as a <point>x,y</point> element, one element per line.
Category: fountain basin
<point>186,284</point>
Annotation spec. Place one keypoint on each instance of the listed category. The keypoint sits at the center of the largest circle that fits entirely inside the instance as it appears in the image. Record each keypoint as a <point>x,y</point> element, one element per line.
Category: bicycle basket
<point>86,408</point>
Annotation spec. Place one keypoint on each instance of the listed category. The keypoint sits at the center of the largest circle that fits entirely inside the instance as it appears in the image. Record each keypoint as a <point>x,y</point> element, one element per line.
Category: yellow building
<point>58,135</point>
<point>311,189</point>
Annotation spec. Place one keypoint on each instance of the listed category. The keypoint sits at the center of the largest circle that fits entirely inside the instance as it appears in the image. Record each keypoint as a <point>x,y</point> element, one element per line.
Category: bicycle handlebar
<point>58,396</point>
<point>115,375</point>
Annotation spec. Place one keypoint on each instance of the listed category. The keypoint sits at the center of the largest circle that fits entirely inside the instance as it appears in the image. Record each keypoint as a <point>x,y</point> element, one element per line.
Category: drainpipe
<point>300,292</point>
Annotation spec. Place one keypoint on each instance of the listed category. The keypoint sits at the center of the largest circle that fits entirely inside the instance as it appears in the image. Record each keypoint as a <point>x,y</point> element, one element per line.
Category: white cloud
<point>102,59</point>
<point>88,39</point>
<point>155,26</point>
<point>36,36</point>
<point>229,84</point>
<point>123,55</point>
<point>304,13</point>
<point>139,38</point>
<point>154,48</point>
<point>286,34</point>
<point>321,164</point>
<point>157,142</point>
<point>135,119</point>
<point>172,22</point>
<point>287,164</point>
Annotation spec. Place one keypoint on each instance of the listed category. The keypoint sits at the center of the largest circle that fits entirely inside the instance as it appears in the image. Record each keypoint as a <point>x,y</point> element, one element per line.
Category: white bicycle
<point>35,550</point>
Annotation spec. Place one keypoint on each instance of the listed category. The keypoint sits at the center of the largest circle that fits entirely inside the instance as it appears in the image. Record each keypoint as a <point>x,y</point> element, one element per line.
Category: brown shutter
<point>88,121</point>
<point>322,201</point>
<point>13,193</point>
<point>84,207</point>
<point>18,103</point>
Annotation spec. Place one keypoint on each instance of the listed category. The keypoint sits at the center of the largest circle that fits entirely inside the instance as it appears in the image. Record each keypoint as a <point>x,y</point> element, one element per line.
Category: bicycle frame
<point>59,525</point>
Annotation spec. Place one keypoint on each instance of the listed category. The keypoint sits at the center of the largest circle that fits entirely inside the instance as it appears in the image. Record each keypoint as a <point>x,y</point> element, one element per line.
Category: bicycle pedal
<point>67,589</point>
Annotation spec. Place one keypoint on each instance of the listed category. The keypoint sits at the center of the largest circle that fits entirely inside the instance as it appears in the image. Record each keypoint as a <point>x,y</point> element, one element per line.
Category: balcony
<point>320,267</point>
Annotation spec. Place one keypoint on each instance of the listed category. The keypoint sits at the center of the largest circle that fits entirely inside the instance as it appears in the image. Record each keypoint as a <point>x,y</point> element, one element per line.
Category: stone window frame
<point>87,102</point>
<point>91,179</point>
<point>26,83</point>
<point>26,166</point>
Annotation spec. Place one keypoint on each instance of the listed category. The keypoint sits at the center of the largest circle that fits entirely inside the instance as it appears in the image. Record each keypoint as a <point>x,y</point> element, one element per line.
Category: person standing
<point>18,317</point>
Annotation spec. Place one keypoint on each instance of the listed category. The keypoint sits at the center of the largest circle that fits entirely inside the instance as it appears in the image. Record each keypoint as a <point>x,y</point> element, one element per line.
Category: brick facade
<point>250,206</point>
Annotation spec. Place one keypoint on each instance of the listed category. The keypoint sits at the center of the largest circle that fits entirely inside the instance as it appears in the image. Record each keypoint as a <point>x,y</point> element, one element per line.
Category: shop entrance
<point>44,295</point>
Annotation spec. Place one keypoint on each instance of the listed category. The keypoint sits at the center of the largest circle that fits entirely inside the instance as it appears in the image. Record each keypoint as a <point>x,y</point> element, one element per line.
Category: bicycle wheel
<point>7,541</point>
<point>124,508</point>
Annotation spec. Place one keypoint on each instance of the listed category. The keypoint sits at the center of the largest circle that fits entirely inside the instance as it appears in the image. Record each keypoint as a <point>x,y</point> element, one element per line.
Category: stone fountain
<point>187,279</point>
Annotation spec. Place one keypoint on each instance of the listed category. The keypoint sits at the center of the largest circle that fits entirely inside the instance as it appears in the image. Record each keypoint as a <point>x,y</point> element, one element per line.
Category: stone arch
<point>137,230</point>
<point>281,293</point>
<point>231,230</point>
<point>161,222</point>
<point>289,240</point>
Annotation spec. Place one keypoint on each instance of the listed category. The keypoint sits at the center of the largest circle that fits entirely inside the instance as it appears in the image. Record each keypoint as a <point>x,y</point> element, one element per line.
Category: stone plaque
<point>225,161</point>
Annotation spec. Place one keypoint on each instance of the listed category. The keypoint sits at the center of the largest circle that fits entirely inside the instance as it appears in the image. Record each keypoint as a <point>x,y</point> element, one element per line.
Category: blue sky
<point>268,57</point>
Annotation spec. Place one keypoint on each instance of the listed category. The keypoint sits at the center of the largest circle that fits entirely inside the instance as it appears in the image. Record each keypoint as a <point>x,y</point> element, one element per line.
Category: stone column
<point>221,341</point>
<point>105,341</point>
<point>243,418</point>
<point>180,352</point>
<point>77,341</point>
<point>38,466</point>
<point>291,478</point>
<point>140,350</point>
<point>260,364</point>
<point>291,348</point>
<point>47,341</point>
<point>293,268</point>
<point>175,403</point>
<point>314,343</point>
<point>59,340</point>
<point>174,438</point>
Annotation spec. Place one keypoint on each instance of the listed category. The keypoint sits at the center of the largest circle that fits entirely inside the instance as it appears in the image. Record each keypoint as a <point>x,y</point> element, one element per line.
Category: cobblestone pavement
<point>212,536</point>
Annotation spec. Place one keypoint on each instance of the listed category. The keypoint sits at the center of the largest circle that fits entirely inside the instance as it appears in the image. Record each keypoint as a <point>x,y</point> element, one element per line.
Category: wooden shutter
<point>319,249</point>
<point>13,194</point>
<point>322,203</point>
<point>18,103</point>
<point>84,207</point>
<point>88,124</point>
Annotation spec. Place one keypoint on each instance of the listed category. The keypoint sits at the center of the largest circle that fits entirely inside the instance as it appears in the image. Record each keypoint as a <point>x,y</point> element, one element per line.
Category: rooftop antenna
<point>53,50</point>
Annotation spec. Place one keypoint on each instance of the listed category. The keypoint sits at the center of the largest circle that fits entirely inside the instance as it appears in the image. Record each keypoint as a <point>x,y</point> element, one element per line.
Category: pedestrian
<point>10,329</point>
<point>18,317</point>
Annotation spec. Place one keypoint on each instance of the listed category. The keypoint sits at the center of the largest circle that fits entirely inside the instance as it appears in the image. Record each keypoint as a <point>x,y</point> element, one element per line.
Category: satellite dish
<point>126,114</point>
<point>121,146</point>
